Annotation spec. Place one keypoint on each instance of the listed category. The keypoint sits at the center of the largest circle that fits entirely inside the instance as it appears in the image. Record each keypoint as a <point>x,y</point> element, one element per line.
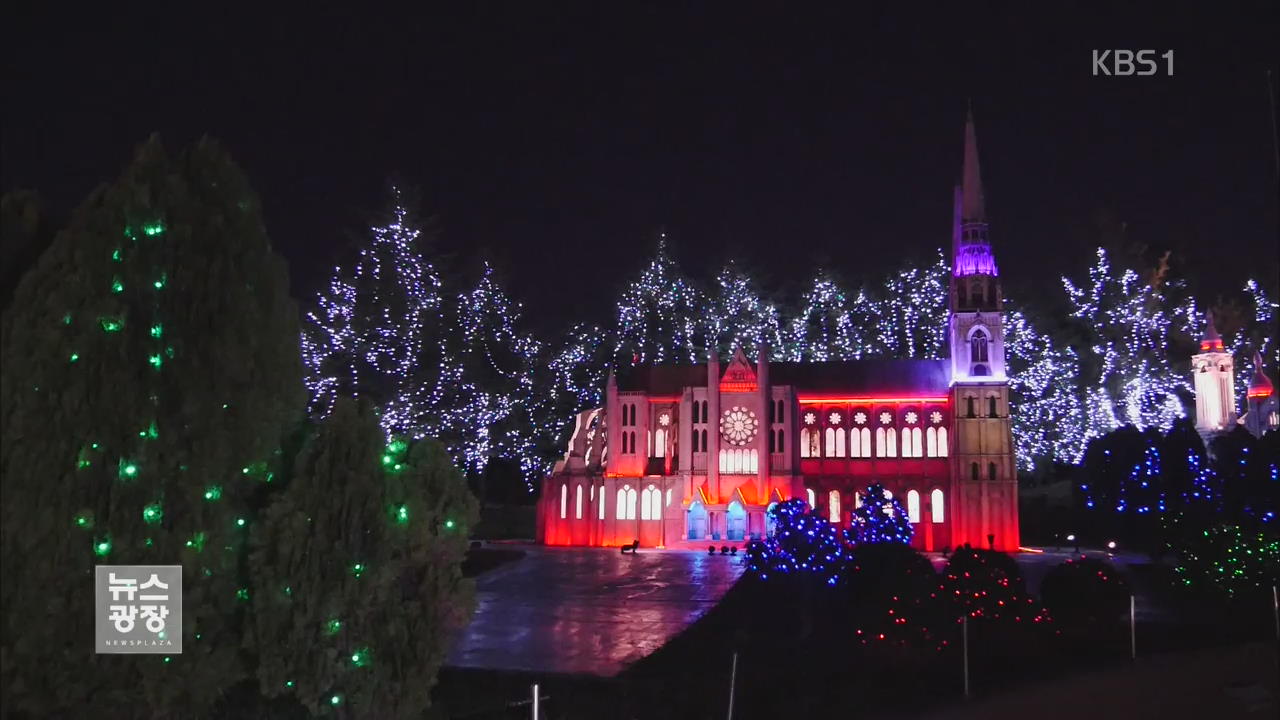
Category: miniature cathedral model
<point>684,455</point>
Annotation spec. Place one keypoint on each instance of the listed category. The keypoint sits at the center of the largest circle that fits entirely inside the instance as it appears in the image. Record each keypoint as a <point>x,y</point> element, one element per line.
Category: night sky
<point>557,143</point>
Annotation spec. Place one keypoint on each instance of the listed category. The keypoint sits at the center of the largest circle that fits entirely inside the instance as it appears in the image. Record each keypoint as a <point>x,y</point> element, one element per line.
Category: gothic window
<point>935,501</point>
<point>813,498</point>
<point>577,504</point>
<point>773,411</point>
<point>978,347</point>
<point>973,471</point>
<point>805,449</point>
<point>991,407</point>
<point>835,443</point>
<point>601,502</point>
<point>704,411</point>
<point>890,442</point>
<point>564,501</point>
<point>913,506</point>
<point>970,409</point>
<point>782,411</point>
<point>916,449</point>
<point>833,506</point>
<point>991,471</point>
<point>864,441</point>
<point>782,446</point>
<point>931,442</point>
<point>626,503</point>
<point>633,442</point>
<point>650,504</point>
<point>704,441</point>
<point>880,442</point>
<point>660,443</point>
<point>694,438</point>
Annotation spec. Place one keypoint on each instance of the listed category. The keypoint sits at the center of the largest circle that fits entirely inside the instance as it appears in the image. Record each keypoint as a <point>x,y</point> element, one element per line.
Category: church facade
<point>691,455</point>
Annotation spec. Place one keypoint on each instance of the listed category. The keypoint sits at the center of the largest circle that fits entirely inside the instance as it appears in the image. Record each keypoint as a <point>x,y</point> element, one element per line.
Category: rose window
<point>936,417</point>
<point>810,418</point>
<point>912,417</point>
<point>664,419</point>
<point>860,418</point>
<point>834,419</point>
<point>885,418</point>
<point>738,425</point>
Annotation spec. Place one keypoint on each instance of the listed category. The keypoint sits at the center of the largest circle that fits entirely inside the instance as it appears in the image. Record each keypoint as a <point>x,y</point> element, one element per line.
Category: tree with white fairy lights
<point>740,317</point>
<point>1048,416</point>
<point>911,313</point>
<point>831,325</point>
<point>379,332</point>
<point>661,316</point>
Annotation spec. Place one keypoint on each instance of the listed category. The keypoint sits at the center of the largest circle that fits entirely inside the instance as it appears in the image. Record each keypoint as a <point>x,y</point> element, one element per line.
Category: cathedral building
<point>690,455</point>
<point>1213,370</point>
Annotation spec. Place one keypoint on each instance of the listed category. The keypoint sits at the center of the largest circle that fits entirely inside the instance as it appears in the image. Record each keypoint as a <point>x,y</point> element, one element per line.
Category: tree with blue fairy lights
<point>880,519</point>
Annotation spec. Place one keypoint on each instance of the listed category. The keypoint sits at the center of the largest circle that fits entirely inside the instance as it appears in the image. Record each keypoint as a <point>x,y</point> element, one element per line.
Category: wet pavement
<point>588,610</point>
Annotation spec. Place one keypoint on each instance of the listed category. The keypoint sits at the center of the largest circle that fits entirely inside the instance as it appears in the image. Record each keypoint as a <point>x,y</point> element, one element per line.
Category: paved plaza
<point>588,610</point>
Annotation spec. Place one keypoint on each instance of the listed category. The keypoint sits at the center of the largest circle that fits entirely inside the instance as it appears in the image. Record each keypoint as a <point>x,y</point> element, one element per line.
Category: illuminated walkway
<point>588,610</point>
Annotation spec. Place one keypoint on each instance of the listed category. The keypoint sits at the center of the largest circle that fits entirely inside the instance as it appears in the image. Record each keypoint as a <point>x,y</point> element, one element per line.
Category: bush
<point>1085,592</point>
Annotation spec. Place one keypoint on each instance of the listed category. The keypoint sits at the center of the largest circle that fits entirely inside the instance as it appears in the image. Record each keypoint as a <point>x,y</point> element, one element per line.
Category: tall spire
<point>973,209</point>
<point>1211,341</point>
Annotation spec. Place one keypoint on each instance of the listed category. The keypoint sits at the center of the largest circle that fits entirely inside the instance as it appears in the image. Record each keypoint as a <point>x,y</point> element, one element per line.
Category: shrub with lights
<point>987,586</point>
<point>880,519</point>
<point>1235,559</point>
<point>804,545</point>
<point>357,583</point>
<point>150,373</point>
<point>1085,592</point>
<point>897,598</point>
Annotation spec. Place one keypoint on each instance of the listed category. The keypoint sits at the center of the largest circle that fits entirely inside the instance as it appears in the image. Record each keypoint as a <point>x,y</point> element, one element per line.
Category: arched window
<point>633,441</point>
<point>668,502</point>
<point>735,521</point>
<point>913,506</point>
<point>693,444</point>
<point>650,504</point>
<point>805,449</point>
<point>704,418</point>
<point>813,498</point>
<point>880,446</point>
<point>577,504</point>
<point>916,450</point>
<point>942,442</point>
<point>564,501</point>
<point>973,471</point>
<point>697,521</point>
<point>835,442</point>
<point>978,347</point>
<point>626,503</point>
<point>704,441</point>
<point>660,443</point>
<point>931,442</point>
<point>601,502</point>
<point>890,442</point>
<point>864,441</point>
<point>781,413</point>
<point>833,506</point>
<point>991,407</point>
<point>935,500</point>
<point>991,471</point>
<point>782,444</point>
<point>773,412</point>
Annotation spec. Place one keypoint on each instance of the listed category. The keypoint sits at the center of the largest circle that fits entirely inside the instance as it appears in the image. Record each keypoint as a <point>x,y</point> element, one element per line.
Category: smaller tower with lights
<point>1262,415</point>
<point>1215,381</point>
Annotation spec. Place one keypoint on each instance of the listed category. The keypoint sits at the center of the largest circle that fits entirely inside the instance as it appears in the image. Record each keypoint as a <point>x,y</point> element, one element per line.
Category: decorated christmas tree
<point>150,373</point>
<point>357,583</point>
<point>803,544</point>
<point>741,318</point>
<point>661,316</point>
<point>380,332</point>
<point>879,519</point>
<point>830,325</point>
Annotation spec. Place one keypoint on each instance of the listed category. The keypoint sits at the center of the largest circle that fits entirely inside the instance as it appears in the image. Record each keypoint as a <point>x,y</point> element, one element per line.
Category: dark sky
<point>557,142</point>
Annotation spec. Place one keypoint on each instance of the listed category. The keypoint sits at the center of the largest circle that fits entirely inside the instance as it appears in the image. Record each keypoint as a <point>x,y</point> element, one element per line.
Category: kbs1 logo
<point>1131,62</point>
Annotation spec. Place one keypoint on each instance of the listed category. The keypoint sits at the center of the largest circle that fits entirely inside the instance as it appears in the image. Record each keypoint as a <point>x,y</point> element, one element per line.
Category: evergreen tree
<point>357,571</point>
<point>741,318</point>
<point>879,519</point>
<point>829,325</point>
<point>24,235</point>
<point>380,332</point>
<point>1127,323</point>
<point>502,407</point>
<point>911,317</point>
<point>661,317</point>
<point>1048,418</point>
<point>150,371</point>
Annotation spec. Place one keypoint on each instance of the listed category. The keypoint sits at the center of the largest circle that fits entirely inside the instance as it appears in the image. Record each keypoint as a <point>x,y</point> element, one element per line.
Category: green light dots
<point>157,330</point>
<point>448,524</point>
<point>288,683</point>
<point>397,446</point>
<point>66,319</point>
<point>84,520</point>
<point>360,658</point>
<point>150,433</point>
<point>152,514</point>
<point>111,324</point>
<point>127,470</point>
<point>115,254</point>
<point>156,361</point>
<point>212,493</point>
<point>153,229</point>
<point>196,542</point>
<point>161,281</point>
<point>333,626</point>
<point>357,569</point>
<point>240,522</point>
<point>102,547</point>
<point>335,699</point>
<point>116,285</point>
<point>242,594</point>
<point>167,659</point>
<point>402,514</point>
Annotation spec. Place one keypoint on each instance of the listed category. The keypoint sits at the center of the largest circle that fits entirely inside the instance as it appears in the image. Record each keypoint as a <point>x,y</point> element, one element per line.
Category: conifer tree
<point>150,371</point>
<point>661,316</point>
<point>879,519</point>
<point>741,318</point>
<point>829,326</point>
<point>357,571</point>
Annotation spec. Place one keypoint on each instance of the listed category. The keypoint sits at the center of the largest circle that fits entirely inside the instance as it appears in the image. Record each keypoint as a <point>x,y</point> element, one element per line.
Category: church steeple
<point>972,249</point>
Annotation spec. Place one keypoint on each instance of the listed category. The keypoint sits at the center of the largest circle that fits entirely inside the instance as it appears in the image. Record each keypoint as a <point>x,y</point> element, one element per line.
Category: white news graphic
<point>138,609</point>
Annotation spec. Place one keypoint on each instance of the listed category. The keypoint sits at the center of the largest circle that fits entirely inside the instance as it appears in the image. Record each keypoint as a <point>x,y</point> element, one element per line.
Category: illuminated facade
<point>690,455</point>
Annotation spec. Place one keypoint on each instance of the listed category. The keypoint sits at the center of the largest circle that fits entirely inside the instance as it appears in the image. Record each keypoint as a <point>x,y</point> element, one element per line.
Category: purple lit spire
<point>972,250</point>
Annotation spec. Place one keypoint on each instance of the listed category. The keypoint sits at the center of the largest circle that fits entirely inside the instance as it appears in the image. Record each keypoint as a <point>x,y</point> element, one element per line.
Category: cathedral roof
<point>1260,386</point>
<point>868,377</point>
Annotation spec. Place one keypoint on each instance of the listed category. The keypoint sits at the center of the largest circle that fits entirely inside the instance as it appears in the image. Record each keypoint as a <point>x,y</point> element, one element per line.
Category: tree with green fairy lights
<point>150,371</point>
<point>357,581</point>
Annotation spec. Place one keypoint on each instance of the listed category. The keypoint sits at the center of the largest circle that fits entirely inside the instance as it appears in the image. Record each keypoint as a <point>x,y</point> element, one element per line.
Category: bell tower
<point>984,474</point>
<point>1214,374</point>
